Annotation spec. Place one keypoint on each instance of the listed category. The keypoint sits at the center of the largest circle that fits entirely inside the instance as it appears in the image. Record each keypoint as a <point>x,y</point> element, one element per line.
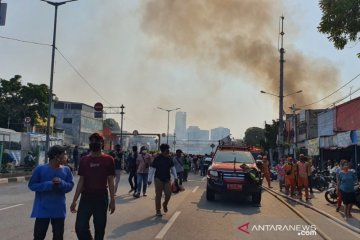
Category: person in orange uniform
<point>266,171</point>
<point>302,173</point>
<point>290,170</point>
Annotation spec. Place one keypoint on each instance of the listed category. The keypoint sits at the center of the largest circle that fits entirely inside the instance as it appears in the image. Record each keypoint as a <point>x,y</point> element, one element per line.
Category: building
<point>195,133</point>
<point>77,120</point>
<point>180,125</point>
<point>219,133</point>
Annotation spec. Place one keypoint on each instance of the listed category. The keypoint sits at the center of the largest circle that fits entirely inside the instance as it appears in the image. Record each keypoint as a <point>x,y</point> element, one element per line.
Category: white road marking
<point>164,230</point>
<point>196,188</point>
<point>11,207</point>
<point>203,178</point>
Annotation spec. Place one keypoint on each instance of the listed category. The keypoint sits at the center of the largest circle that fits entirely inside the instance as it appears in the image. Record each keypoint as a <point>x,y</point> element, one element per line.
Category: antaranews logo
<point>301,230</point>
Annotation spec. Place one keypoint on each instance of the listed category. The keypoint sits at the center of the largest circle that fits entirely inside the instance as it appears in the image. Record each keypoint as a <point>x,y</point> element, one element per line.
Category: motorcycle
<point>331,195</point>
<point>321,180</point>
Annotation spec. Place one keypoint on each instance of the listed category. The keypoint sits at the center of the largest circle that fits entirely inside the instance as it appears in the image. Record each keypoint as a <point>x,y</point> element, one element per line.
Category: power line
<point>332,92</point>
<point>25,41</point>
<point>68,61</point>
<point>82,77</point>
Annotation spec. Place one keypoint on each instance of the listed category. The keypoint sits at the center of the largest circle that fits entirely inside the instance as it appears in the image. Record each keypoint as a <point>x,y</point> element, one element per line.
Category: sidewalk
<point>21,176</point>
<point>319,202</point>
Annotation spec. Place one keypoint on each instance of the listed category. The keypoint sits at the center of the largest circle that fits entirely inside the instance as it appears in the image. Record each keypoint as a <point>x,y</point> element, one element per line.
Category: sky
<point>211,58</point>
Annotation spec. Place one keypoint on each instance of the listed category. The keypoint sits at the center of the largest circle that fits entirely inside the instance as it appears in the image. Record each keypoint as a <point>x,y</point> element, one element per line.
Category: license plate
<point>234,186</point>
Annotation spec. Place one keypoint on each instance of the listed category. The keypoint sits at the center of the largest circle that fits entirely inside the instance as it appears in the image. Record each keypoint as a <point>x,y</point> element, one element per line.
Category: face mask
<point>95,147</point>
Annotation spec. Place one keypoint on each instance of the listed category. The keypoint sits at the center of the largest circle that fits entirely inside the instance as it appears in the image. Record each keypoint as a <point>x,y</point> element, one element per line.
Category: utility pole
<point>121,130</point>
<point>281,92</point>
<point>56,5</point>
<point>294,109</point>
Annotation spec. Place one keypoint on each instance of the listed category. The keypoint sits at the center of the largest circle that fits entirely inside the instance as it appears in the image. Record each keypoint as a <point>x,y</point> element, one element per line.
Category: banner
<point>343,139</point>
<point>312,146</point>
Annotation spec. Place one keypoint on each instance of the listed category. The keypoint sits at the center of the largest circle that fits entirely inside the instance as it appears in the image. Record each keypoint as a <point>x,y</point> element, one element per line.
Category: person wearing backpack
<point>290,176</point>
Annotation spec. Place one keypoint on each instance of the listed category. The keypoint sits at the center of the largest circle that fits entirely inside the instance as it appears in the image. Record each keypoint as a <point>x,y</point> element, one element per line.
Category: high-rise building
<point>180,125</point>
<point>195,133</point>
<point>219,133</point>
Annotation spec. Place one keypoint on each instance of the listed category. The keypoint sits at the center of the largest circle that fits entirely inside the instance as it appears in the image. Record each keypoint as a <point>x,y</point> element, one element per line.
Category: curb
<point>342,223</point>
<point>14,179</point>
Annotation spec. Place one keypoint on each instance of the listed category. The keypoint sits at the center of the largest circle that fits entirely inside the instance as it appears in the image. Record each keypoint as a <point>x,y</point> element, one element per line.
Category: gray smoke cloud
<point>236,36</point>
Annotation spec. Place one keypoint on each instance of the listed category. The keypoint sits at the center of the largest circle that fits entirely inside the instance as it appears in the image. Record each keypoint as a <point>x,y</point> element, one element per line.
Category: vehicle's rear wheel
<point>256,197</point>
<point>210,194</point>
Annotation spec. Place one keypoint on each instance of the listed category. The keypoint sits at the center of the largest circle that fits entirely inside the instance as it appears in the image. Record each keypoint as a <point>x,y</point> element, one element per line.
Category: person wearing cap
<point>143,162</point>
<point>161,168</point>
<point>178,163</point>
<point>96,186</point>
<point>290,170</point>
<point>51,182</point>
<point>266,170</point>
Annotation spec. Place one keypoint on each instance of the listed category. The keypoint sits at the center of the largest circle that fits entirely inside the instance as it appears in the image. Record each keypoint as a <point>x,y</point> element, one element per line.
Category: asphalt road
<point>190,216</point>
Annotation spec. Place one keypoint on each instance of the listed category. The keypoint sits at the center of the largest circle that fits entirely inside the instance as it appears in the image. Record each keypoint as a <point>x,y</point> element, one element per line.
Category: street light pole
<point>168,111</point>
<point>56,5</point>
<point>281,93</point>
<point>121,130</point>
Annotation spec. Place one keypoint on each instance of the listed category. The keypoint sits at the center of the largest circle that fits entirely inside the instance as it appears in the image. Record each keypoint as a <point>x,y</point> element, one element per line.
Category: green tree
<point>253,136</point>
<point>112,124</point>
<point>270,133</point>
<point>18,101</point>
<point>340,21</point>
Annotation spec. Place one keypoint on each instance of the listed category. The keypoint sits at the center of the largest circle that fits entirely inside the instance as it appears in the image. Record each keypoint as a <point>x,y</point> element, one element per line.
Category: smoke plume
<point>236,36</point>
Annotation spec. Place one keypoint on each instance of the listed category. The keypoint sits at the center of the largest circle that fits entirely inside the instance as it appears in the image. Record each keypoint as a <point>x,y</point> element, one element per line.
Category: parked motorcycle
<point>331,195</point>
<point>321,180</point>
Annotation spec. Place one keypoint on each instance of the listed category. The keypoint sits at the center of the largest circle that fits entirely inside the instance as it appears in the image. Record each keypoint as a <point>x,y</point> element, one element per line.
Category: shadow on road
<point>227,204</point>
<point>134,226</point>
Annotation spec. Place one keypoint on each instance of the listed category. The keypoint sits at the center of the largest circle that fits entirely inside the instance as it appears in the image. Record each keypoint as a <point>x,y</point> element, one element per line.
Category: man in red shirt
<point>96,172</point>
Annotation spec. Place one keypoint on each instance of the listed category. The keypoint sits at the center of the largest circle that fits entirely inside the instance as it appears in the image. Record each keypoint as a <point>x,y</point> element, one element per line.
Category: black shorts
<point>348,197</point>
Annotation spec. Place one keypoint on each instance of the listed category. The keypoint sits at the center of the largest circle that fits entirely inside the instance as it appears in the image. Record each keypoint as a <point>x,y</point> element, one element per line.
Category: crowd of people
<point>99,177</point>
<point>297,176</point>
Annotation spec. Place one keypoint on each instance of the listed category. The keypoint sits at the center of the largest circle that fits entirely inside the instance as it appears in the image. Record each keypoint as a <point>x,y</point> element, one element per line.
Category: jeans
<point>42,224</point>
<point>132,175</point>
<point>117,179</point>
<point>142,179</point>
<point>180,176</point>
<point>161,186</point>
<point>94,205</point>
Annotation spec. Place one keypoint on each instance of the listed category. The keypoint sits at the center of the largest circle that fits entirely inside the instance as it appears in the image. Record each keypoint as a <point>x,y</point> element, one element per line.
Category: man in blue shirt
<point>51,182</point>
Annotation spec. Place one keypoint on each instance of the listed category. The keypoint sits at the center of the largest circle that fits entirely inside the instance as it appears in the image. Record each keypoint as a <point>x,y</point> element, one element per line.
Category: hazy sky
<point>211,58</point>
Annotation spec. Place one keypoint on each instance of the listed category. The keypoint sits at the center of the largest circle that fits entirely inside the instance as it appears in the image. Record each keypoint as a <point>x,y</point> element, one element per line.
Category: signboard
<point>98,114</point>
<point>313,146</point>
<point>3,7</point>
<point>27,120</point>
<point>98,107</point>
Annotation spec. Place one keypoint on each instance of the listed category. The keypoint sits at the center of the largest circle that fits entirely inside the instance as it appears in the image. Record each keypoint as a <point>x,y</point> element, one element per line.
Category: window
<point>231,156</point>
<point>67,120</point>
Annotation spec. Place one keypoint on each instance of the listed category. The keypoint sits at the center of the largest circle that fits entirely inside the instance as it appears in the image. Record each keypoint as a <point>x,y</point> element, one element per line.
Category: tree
<point>340,21</point>
<point>253,136</point>
<point>112,124</point>
<point>18,101</point>
<point>270,133</point>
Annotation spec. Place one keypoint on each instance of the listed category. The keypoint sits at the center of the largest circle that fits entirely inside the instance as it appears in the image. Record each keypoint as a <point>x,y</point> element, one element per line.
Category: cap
<point>96,136</point>
<point>179,151</point>
<point>56,150</point>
